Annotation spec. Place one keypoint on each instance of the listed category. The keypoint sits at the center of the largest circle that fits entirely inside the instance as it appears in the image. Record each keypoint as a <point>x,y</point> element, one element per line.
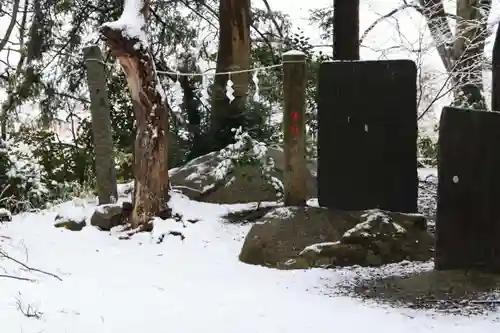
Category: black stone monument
<point>367,140</point>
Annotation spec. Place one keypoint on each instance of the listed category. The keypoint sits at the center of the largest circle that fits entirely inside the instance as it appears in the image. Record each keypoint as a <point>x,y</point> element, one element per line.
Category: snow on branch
<point>132,22</point>
<point>127,40</point>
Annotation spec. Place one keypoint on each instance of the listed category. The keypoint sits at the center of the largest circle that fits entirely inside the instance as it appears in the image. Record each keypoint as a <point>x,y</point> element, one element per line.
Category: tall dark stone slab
<point>367,144</point>
<point>468,208</point>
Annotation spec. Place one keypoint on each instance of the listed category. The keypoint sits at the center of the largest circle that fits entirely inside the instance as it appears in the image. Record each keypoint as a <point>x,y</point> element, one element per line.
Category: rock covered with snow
<point>108,216</point>
<point>276,239</point>
<point>197,180</point>
<point>317,237</point>
<point>5,215</point>
<point>69,224</point>
<point>379,238</point>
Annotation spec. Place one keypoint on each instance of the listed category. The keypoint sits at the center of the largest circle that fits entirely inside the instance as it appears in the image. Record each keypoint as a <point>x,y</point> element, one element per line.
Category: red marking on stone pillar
<point>295,118</point>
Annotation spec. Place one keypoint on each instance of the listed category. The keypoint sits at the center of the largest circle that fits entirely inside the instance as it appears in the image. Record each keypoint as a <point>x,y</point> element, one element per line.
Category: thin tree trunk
<point>12,24</point>
<point>233,54</point>
<point>468,51</point>
<point>346,29</point>
<point>151,113</point>
<point>433,11</point>
<point>101,126</point>
<point>9,104</point>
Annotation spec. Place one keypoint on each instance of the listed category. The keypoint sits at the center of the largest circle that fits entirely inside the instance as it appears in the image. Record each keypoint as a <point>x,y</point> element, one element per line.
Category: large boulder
<point>278,237</point>
<point>290,238</point>
<point>195,179</point>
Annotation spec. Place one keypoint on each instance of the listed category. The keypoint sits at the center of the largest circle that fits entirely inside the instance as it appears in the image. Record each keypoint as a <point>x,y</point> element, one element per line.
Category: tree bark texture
<point>294,91</point>
<point>346,29</point>
<point>151,113</point>
<point>233,55</point>
<point>434,13</point>
<point>468,217</point>
<point>101,125</point>
<point>462,52</point>
<point>468,50</point>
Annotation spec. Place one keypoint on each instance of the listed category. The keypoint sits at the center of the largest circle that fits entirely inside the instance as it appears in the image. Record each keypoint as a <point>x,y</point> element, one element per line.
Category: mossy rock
<point>276,239</point>
<point>71,225</point>
<point>297,238</point>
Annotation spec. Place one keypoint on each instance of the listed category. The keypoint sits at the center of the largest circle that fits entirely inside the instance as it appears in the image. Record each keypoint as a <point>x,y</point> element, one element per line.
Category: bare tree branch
<point>16,277</point>
<point>273,19</point>
<point>381,18</point>
<point>433,11</point>
<point>12,24</point>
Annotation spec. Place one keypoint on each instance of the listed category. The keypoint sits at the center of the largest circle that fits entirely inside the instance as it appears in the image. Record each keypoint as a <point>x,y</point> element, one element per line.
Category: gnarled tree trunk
<point>233,54</point>
<point>126,41</point>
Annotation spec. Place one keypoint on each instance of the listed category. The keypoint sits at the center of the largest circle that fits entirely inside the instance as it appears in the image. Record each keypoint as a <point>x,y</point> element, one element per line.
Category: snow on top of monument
<point>293,52</point>
<point>131,22</point>
<point>358,60</point>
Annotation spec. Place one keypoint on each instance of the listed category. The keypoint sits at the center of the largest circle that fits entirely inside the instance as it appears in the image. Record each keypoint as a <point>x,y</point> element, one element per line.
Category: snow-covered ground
<point>192,285</point>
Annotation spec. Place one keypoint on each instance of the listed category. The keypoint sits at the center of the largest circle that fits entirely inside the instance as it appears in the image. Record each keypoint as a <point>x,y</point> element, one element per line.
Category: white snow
<point>399,228</point>
<point>187,286</point>
<point>370,216</point>
<point>5,213</point>
<point>293,53</point>
<point>313,202</point>
<point>131,22</point>
<point>103,209</point>
<point>427,173</point>
<point>280,213</point>
<point>317,248</point>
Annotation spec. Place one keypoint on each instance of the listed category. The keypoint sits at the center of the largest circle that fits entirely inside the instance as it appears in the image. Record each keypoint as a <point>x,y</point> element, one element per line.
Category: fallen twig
<point>485,301</point>
<point>28,311</point>
<point>3,254</point>
<point>16,277</point>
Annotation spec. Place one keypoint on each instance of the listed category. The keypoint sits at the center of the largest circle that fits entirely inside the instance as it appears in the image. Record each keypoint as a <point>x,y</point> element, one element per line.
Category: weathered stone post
<point>294,91</point>
<point>468,219</point>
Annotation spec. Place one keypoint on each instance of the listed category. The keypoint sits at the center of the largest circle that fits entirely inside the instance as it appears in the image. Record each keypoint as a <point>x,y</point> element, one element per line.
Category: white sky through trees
<point>396,37</point>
